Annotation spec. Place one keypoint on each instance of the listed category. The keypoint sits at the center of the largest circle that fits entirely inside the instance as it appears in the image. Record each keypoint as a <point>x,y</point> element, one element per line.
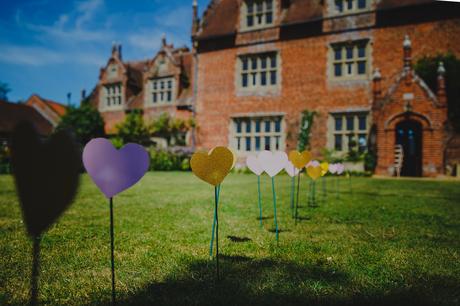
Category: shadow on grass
<point>238,239</point>
<point>274,282</point>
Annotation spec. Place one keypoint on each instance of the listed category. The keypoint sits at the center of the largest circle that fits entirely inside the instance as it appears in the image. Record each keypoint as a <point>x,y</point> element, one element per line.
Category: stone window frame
<point>258,71</point>
<point>345,60</point>
<point>350,6</point>
<point>345,132</point>
<point>112,97</point>
<point>112,71</point>
<point>149,99</point>
<point>238,140</point>
<point>264,13</point>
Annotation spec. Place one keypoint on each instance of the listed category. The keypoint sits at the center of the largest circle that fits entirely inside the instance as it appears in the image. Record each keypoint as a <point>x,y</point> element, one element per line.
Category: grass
<point>389,242</point>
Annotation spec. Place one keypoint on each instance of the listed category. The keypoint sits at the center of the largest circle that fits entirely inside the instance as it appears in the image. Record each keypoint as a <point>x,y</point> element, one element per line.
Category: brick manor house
<point>255,65</point>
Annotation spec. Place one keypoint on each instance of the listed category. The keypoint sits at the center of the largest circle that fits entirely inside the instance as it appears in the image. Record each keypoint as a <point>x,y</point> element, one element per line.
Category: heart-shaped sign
<point>333,168</point>
<point>290,169</point>
<point>46,175</point>
<point>314,172</point>
<point>312,163</point>
<point>114,170</point>
<point>214,166</point>
<point>254,165</point>
<point>299,159</point>
<point>325,167</point>
<point>273,163</point>
<point>340,168</point>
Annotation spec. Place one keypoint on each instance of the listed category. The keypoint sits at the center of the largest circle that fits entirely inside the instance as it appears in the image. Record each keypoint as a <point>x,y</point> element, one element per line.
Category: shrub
<point>177,158</point>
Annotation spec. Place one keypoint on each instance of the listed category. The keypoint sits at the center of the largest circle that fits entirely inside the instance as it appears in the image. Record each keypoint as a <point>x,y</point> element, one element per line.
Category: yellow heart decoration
<point>314,172</point>
<point>324,167</point>
<point>299,160</point>
<point>214,166</point>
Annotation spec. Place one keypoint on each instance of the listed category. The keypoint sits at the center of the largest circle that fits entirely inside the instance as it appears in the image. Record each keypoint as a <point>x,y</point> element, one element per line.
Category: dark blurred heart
<point>46,175</point>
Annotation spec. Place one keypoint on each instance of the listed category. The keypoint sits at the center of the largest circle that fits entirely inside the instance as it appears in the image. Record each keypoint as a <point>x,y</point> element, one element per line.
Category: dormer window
<point>161,91</point>
<point>257,14</point>
<point>350,6</point>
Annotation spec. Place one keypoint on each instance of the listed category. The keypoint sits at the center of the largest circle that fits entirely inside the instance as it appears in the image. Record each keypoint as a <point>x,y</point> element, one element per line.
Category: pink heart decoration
<point>333,168</point>
<point>340,168</point>
<point>290,169</point>
<point>273,163</point>
<point>254,165</point>
<point>312,163</point>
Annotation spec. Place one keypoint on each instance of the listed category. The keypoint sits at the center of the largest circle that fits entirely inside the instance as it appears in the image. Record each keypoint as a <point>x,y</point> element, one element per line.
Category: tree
<point>85,122</point>
<point>427,68</point>
<point>134,129</point>
<point>4,90</point>
<point>172,129</point>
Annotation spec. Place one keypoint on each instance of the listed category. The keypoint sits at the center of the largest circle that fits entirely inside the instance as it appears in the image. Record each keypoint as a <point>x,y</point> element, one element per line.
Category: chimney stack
<point>119,51</point>
<point>407,45</point>
<point>83,94</point>
<point>195,19</point>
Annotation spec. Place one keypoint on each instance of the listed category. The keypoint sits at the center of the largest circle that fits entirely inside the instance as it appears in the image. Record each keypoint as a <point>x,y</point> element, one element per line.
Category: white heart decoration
<point>290,169</point>
<point>312,163</point>
<point>333,168</point>
<point>273,163</point>
<point>254,165</point>
<point>340,168</point>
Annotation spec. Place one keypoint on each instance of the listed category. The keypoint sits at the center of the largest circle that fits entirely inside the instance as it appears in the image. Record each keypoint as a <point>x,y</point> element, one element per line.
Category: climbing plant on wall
<point>306,123</point>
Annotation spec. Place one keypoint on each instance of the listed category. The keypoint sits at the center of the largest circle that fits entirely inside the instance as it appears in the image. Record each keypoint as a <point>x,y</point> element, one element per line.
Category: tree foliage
<point>133,129</point>
<point>172,129</point>
<point>305,129</point>
<point>427,68</point>
<point>85,122</point>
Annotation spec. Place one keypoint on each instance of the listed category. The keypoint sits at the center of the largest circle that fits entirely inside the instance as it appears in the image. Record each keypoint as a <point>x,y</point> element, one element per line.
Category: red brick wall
<point>304,83</point>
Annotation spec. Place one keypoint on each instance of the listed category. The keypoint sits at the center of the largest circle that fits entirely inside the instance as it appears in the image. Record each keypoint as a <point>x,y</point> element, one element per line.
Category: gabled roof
<point>49,109</point>
<point>12,114</point>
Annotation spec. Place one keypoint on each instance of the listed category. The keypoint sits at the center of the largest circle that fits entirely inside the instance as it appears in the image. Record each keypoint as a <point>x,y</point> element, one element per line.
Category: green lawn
<point>389,242</point>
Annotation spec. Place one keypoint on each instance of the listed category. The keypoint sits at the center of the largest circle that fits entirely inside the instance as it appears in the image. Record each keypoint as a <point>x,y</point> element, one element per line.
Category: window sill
<point>160,104</point>
<point>260,92</point>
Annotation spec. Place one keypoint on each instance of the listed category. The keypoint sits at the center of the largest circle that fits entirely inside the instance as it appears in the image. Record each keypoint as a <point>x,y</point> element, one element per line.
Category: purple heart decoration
<point>114,170</point>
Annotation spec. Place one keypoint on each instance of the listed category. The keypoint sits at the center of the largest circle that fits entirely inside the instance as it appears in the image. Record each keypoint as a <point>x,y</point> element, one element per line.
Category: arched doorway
<point>409,135</point>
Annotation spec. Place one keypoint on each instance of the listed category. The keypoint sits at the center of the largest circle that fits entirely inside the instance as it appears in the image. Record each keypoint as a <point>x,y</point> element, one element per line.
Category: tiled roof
<point>12,114</point>
<point>55,106</point>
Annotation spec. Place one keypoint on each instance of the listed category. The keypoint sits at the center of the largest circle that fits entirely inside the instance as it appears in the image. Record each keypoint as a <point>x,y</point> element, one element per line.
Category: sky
<point>53,47</point>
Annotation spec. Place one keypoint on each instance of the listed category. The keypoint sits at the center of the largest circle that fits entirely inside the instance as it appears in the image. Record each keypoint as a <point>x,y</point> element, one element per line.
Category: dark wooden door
<point>409,135</point>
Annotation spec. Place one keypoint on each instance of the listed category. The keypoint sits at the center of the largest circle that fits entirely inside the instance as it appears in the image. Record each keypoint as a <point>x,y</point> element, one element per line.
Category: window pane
<point>249,21</point>
<point>154,97</point>
<point>362,123</point>
<point>273,77</point>
<point>108,101</point>
<point>338,54</point>
<point>254,63</point>
<point>338,123</point>
<point>267,143</point>
<point>154,85</point>
<point>349,68</point>
<point>238,126</point>
<point>257,126</point>
<point>244,62</point>
<point>277,143</point>
<point>269,4</point>
<point>361,4</point>
<point>119,100</point>
<point>349,51</point>
<point>260,6</point>
<point>244,80</point>
<point>254,79</point>
<point>350,123</point>
<point>338,70</point>
<point>162,94</point>
<point>248,143</point>
<point>238,143</point>
<point>248,126</point>
<point>361,67</point>
<point>339,5</point>
<point>361,51</point>
<point>263,62</point>
<point>278,126</point>
<point>362,142</point>
<point>257,143</point>
<point>273,61</point>
<point>169,84</point>
<point>263,78</point>
<point>268,18</point>
<point>338,142</point>
<point>250,5</point>
<point>162,85</point>
<point>267,126</point>
<point>259,18</point>
<point>169,96</point>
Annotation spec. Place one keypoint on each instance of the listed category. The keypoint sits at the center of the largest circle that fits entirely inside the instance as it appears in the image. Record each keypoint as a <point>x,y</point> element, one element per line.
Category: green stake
<point>297,200</point>
<point>217,195</point>
<point>260,204</point>
<point>274,207</point>
<point>292,194</point>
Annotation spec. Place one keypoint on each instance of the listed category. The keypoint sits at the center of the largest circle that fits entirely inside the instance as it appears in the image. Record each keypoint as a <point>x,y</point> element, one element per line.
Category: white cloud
<point>86,10</point>
<point>178,18</point>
